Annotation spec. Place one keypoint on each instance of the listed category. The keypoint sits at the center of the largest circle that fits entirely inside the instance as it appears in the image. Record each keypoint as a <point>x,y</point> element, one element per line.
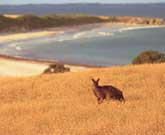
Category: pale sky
<point>76,1</point>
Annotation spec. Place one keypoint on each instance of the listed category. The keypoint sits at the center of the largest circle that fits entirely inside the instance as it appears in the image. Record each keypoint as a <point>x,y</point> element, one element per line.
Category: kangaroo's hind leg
<point>122,99</point>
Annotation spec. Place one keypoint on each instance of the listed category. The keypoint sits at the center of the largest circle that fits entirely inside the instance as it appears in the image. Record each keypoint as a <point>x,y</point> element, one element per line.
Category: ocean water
<point>148,9</point>
<point>102,46</point>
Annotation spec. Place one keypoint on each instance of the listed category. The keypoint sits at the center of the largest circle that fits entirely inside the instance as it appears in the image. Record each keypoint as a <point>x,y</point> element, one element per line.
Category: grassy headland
<point>65,104</point>
<point>29,22</point>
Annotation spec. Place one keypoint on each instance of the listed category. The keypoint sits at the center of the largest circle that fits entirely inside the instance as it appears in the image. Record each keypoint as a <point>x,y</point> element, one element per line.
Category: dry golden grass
<point>63,104</point>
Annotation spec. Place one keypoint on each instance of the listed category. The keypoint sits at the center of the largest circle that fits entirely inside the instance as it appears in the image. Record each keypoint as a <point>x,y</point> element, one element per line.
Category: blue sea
<point>145,10</point>
<point>100,46</point>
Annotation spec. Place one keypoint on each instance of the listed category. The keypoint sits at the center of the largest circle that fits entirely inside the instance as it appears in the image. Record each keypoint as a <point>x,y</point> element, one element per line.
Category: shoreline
<point>43,62</point>
<point>18,36</point>
<point>8,61</point>
<point>9,37</point>
<point>138,27</point>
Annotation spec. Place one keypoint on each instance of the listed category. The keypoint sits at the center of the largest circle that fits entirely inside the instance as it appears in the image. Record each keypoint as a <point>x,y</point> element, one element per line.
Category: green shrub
<point>149,57</point>
<point>56,68</point>
<point>5,23</point>
<point>29,21</point>
<point>112,19</point>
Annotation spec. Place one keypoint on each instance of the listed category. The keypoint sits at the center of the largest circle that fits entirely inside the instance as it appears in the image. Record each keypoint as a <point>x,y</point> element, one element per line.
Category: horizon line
<point>101,3</point>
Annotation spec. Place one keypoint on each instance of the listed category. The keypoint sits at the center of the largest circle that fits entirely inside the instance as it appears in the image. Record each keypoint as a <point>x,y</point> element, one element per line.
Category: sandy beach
<point>27,35</point>
<point>20,67</point>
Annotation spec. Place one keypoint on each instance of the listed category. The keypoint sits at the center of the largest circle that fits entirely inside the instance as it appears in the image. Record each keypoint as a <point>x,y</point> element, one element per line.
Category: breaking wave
<point>82,35</point>
<point>138,28</point>
<point>79,35</point>
<point>16,45</point>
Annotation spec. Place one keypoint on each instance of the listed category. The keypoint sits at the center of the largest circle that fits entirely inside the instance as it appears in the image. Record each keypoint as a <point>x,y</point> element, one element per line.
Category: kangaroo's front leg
<point>108,96</point>
<point>100,100</point>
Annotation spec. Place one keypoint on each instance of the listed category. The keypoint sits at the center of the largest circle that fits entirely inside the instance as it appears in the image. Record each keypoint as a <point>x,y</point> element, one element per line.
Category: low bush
<point>149,57</point>
<point>113,19</point>
<point>56,68</point>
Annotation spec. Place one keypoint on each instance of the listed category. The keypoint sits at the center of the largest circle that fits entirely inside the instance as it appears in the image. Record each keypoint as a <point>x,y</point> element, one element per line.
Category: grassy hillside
<point>63,104</point>
<point>30,22</point>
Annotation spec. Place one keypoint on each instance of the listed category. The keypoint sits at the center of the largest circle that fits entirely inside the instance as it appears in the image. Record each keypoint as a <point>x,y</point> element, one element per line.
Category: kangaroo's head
<point>96,83</point>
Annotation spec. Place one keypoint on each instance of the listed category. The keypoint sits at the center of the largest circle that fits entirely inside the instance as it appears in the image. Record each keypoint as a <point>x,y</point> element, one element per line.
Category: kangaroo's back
<point>114,92</point>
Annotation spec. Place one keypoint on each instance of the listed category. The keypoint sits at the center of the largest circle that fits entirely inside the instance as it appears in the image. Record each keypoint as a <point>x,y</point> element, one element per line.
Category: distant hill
<point>149,10</point>
<point>29,22</point>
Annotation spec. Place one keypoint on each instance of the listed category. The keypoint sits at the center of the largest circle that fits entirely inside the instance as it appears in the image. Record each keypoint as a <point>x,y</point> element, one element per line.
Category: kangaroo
<point>106,92</point>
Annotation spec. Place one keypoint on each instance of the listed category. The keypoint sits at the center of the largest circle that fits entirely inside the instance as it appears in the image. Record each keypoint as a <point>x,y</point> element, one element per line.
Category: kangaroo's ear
<point>93,80</point>
<point>98,79</point>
